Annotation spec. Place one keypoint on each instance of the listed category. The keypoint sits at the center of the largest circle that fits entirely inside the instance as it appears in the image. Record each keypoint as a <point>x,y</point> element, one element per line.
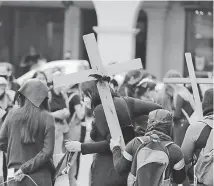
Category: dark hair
<point>40,72</point>
<point>29,116</point>
<point>90,88</point>
<point>114,82</point>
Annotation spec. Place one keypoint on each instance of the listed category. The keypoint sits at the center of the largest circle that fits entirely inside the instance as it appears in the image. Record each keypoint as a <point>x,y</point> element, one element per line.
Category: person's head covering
<point>207,103</point>
<point>173,74</point>
<point>135,76</point>
<point>35,91</point>
<point>3,81</point>
<point>160,120</point>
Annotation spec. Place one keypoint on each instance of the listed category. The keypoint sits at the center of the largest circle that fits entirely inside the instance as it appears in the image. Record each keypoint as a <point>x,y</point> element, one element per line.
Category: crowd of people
<point>43,131</point>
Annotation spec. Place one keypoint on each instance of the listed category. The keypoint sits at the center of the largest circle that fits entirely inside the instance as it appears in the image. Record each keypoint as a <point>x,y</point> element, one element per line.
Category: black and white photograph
<point>106,93</point>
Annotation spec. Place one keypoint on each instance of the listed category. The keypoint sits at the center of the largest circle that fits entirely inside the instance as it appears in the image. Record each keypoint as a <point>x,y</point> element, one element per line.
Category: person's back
<point>18,153</point>
<point>157,140</point>
<point>170,155</point>
<point>27,136</point>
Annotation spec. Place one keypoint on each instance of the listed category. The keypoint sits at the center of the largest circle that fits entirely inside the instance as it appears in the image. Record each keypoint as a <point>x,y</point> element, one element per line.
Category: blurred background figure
<point>76,121</point>
<point>7,72</point>
<point>177,98</point>
<point>6,100</point>
<point>68,55</point>
<point>60,111</point>
<point>30,60</point>
<point>146,89</point>
<point>41,76</point>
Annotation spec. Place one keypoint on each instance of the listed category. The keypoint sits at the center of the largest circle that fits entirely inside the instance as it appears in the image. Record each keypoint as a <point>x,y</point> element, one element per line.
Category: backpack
<point>204,165</point>
<point>150,164</point>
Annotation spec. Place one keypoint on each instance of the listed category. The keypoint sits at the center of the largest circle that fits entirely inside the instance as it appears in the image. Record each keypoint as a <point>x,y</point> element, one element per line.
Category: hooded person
<point>27,136</point>
<point>160,124</point>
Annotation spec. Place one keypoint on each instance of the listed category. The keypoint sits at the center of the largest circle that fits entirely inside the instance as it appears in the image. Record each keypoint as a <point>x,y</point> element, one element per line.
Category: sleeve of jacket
<point>123,159</point>
<point>188,144</point>
<point>139,107</point>
<point>95,147</point>
<point>46,153</point>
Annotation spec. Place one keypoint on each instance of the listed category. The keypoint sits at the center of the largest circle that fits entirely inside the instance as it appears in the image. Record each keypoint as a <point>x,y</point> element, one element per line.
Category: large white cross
<point>103,86</point>
<point>193,81</point>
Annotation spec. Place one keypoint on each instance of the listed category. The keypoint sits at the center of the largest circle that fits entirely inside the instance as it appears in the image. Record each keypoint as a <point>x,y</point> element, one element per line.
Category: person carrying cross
<point>103,172</point>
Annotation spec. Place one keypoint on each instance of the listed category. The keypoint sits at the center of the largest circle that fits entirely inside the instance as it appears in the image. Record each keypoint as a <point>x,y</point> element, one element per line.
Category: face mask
<point>87,102</point>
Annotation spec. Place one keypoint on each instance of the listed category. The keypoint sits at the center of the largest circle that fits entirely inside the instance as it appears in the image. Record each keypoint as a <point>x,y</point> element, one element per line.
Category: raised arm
<point>95,147</point>
<point>139,107</point>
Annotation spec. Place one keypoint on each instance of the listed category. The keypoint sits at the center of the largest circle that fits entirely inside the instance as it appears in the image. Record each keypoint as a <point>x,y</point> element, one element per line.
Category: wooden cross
<point>103,86</point>
<point>193,81</point>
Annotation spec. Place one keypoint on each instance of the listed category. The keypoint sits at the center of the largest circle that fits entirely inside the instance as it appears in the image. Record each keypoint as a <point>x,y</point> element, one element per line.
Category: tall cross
<point>193,81</point>
<point>102,86</point>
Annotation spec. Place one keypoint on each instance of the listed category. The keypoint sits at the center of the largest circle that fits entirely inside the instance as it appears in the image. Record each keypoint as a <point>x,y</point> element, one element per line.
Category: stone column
<point>116,29</point>
<point>174,38</point>
<point>155,40</point>
<point>72,30</point>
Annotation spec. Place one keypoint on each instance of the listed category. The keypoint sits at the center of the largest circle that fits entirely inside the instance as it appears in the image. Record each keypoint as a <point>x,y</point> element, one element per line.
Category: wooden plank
<point>123,67</point>
<point>103,88</point>
<point>70,79</point>
<point>187,80</point>
<point>82,76</point>
<point>194,84</point>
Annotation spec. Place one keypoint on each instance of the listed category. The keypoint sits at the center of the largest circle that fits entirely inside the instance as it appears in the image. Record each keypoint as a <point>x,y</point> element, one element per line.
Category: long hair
<point>29,116</point>
<point>90,89</point>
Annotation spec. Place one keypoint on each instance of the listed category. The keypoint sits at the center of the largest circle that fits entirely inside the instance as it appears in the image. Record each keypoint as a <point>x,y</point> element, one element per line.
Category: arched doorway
<point>140,51</point>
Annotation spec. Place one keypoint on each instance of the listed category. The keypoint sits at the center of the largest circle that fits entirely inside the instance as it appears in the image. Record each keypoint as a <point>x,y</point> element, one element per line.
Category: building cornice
<point>113,30</point>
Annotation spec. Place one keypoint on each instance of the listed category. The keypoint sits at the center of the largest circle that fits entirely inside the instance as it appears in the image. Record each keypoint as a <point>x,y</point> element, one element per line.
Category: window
<point>199,40</point>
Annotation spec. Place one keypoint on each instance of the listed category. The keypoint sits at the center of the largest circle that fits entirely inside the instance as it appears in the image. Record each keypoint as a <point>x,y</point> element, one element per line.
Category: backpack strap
<point>141,140</point>
<point>134,162</point>
<point>166,144</point>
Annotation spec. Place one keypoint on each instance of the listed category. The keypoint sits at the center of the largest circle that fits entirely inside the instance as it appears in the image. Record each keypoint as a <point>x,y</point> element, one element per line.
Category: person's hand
<point>16,106</point>
<point>114,143</point>
<point>73,146</point>
<point>65,112</point>
<point>19,175</point>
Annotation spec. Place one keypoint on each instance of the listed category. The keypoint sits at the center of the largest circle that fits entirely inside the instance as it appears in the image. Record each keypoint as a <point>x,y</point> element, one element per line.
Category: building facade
<point>159,32</point>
